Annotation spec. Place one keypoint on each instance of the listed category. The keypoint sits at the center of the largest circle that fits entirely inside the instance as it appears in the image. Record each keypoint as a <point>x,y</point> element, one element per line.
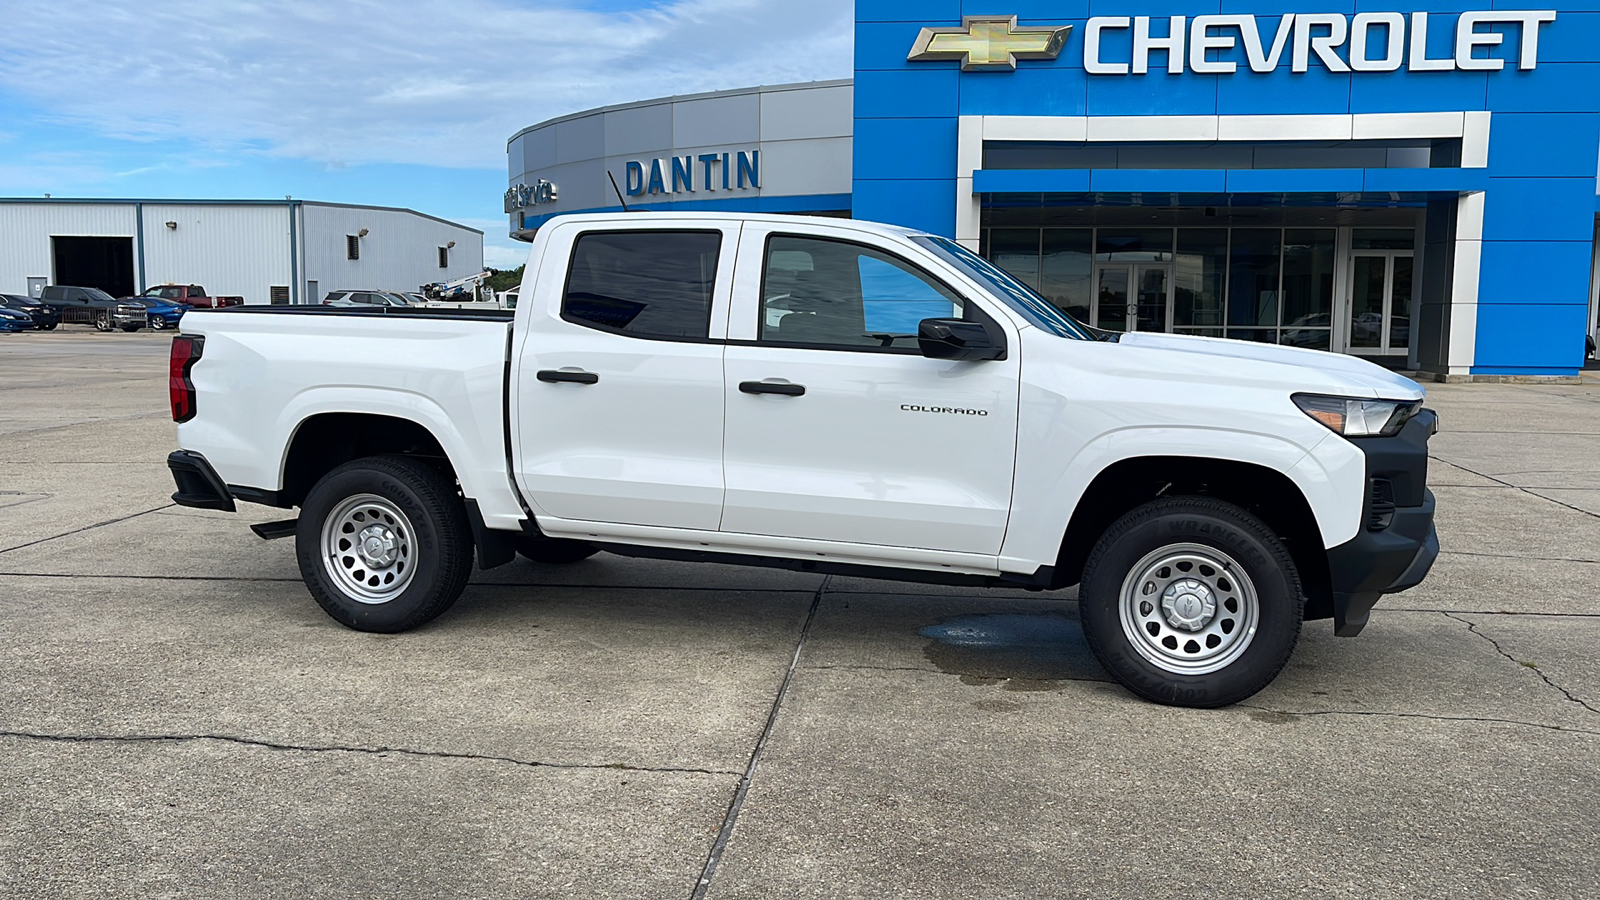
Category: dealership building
<point>1414,184</point>
<point>267,251</point>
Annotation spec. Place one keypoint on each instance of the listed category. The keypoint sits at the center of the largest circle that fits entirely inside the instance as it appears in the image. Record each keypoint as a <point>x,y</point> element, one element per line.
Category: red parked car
<point>190,295</point>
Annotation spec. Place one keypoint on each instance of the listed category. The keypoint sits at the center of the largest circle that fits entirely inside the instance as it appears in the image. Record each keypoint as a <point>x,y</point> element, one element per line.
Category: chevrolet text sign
<point>1365,42</point>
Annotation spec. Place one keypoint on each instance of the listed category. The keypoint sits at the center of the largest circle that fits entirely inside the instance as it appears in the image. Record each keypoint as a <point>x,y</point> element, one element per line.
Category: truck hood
<point>1294,367</point>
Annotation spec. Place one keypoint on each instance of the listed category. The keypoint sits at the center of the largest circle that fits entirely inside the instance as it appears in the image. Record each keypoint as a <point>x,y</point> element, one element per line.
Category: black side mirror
<point>957,339</point>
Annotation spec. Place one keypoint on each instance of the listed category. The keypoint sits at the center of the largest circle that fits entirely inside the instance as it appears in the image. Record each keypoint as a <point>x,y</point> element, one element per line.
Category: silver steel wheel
<point>1189,609</point>
<point>369,548</point>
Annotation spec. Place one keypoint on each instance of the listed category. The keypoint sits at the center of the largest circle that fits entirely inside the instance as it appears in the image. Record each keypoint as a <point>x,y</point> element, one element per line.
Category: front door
<point>1133,297</point>
<point>838,428</point>
<point>1379,320</point>
<point>618,401</point>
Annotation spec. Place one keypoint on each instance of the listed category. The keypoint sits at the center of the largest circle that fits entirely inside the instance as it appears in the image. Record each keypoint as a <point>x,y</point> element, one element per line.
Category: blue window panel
<point>1295,181</point>
<point>1385,181</point>
<point>924,92</point>
<point>1178,181</point>
<point>1524,336</point>
<point>1035,89</point>
<point>1251,93</point>
<point>905,148</point>
<point>1030,181</point>
<point>1539,209</point>
<point>925,11</point>
<point>1534,272</point>
<point>1155,94</point>
<point>928,204</point>
<point>1551,144</point>
<point>1572,37</point>
<point>1553,87</point>
<point>884,45</point>
<point>1371,92</point>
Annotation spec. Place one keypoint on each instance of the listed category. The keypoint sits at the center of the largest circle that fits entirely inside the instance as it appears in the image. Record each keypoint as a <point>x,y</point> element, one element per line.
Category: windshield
<point>97,294</point>
<point>1021,298</point>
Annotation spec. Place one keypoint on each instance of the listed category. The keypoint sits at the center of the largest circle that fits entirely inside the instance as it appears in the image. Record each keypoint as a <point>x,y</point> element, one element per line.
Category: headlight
<point>1359,418</point>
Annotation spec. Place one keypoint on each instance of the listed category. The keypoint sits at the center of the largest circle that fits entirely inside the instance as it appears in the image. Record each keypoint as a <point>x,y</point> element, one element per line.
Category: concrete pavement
<point>178,718</point>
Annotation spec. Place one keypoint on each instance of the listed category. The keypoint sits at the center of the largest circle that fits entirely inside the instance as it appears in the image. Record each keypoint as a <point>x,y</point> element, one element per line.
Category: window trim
<point>967,304</point>
<point>711,299</point>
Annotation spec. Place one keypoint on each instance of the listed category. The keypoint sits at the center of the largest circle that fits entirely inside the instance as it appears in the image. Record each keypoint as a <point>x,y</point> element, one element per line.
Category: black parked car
<point>44,317</point>
<point>85,305</point>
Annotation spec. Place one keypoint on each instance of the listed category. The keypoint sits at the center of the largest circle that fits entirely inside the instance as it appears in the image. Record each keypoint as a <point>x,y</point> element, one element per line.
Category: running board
<point>271,531</point>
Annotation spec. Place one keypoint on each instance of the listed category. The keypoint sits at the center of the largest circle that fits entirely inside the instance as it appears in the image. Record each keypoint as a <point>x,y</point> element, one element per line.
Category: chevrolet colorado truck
<point>828,396</point>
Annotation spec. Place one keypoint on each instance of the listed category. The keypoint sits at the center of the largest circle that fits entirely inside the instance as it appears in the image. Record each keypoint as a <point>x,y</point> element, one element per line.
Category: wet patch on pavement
<point>1014,651</point>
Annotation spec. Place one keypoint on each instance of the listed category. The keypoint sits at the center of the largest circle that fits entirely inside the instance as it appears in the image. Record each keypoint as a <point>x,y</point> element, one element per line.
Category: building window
<point>279,294</point>
<point>444,257</point>
<point>352,247</point>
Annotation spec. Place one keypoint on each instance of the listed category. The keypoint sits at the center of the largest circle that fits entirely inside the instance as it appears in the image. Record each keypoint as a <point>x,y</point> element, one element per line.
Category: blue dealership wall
<point>1540,198</point>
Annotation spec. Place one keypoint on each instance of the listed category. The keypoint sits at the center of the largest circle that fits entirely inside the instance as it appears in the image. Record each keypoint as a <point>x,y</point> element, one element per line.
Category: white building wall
<point>26,229</point>
<point>400,251</point>
<point>230,250</point>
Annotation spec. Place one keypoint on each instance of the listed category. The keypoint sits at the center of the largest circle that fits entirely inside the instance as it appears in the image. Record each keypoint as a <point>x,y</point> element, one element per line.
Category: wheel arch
<point>1265,492</point>
<point>324,441</point>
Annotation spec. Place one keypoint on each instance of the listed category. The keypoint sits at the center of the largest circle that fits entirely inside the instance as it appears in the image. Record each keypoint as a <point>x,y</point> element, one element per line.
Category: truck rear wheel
<point>383,544</point>
<point>1192,602</point>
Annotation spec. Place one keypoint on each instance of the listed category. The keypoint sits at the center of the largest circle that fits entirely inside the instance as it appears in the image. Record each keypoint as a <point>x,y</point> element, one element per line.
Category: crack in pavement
<point>720,845</point>
<point>1519,487</point>
<point>1489,720</point>
<point>863,667</point>
<point>53,537</point>
<point>373,751</point>
<point>1472,627</point>
<point>1493,612</point>
<point>1476,553</point>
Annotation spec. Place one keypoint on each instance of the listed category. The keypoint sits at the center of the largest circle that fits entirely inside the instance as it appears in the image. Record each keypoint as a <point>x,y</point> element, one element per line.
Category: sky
<point>393,103</point>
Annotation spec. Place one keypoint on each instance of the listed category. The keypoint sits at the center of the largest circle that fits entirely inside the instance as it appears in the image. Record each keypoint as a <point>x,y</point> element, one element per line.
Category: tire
<point>554,551</point>
<point>50,327</point>
<point>157,323</point>
<point>102,322</point>
<point>1191,602</point>
<point>418,555</point>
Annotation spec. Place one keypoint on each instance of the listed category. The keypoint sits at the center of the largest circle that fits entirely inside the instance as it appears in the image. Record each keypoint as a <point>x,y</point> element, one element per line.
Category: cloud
<point>397,81</point>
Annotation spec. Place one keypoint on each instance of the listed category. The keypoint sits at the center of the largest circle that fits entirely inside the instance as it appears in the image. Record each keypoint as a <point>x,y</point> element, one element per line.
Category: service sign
<point>522,196</point>
<point>1222,44</point>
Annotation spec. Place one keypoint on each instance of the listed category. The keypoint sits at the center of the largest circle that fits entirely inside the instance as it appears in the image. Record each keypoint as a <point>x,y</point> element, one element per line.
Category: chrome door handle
<point>772,387</point>
<point>555,376</point>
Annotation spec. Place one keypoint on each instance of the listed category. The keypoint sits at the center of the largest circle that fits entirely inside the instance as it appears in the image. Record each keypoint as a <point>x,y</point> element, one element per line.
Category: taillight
<point>186,350</point>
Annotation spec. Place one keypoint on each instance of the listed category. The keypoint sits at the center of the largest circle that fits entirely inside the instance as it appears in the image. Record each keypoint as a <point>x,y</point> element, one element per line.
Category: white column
<point>969,158</point>
<point>1463,345</point>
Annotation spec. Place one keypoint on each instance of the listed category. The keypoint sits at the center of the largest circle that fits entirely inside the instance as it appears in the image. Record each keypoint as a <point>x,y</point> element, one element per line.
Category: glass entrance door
<point>1380,302</point>
<point>1133,297</point>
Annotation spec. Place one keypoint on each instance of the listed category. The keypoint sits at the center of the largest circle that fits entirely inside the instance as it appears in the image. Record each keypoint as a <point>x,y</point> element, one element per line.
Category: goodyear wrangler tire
<point>1192,602</point>
<point>384,544</point>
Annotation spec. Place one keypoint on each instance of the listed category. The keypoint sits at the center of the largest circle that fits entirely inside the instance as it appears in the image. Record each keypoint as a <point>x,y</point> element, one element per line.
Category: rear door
<point>838,428</point>
<point>618,398</point>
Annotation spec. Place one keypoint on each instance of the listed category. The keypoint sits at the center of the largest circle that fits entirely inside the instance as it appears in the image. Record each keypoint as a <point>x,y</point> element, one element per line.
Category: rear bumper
<point>1398,542</point>
<point>199,486</point>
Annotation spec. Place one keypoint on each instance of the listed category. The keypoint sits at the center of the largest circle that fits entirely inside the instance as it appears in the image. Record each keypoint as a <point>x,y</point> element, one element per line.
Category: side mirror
<point>957,339</point>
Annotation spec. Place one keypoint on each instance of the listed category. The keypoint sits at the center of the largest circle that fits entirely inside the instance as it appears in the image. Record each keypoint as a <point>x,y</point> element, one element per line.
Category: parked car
<point>138,312</point>
<point>1206,495</point>
<point>414,298</point>
<point>191,295</point>
<point>44,317</point>
<point>13,320</point>
<point>84,305</point>
<point>365,298</point>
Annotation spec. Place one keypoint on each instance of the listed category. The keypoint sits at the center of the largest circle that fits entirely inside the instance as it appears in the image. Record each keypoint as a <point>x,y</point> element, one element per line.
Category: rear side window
<point>643,283</point>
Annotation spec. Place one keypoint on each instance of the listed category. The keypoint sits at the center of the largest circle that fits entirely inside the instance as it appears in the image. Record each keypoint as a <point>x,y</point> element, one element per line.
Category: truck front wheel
<point>384,544</point>
<point>1191,601</point>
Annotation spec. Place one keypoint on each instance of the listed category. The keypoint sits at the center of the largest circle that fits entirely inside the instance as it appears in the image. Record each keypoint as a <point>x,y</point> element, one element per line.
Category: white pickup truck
<point>828,396</point>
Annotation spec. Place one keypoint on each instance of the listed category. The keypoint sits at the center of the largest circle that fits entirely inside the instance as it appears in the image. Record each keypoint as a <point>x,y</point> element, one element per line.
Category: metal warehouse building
<point>267,251</point>
<point>1411,183</point>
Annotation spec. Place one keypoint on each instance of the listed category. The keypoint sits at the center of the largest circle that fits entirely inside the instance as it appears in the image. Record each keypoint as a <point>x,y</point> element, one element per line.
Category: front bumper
<point>1398,542</point>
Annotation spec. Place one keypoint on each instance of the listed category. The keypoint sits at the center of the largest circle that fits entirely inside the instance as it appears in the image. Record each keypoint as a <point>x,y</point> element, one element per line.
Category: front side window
<point>655,284</point>
<point>835,294</point>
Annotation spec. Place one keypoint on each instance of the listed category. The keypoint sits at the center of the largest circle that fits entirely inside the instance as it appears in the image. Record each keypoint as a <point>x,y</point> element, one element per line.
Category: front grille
<point>1380,505</point>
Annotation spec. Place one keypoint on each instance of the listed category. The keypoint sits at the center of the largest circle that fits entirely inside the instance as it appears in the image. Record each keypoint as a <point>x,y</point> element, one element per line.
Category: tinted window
<point>646,283</point>
<point>836,294</point>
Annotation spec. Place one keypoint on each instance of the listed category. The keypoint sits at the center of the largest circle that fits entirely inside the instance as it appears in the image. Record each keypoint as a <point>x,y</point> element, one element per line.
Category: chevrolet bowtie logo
<point>989,43</point>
